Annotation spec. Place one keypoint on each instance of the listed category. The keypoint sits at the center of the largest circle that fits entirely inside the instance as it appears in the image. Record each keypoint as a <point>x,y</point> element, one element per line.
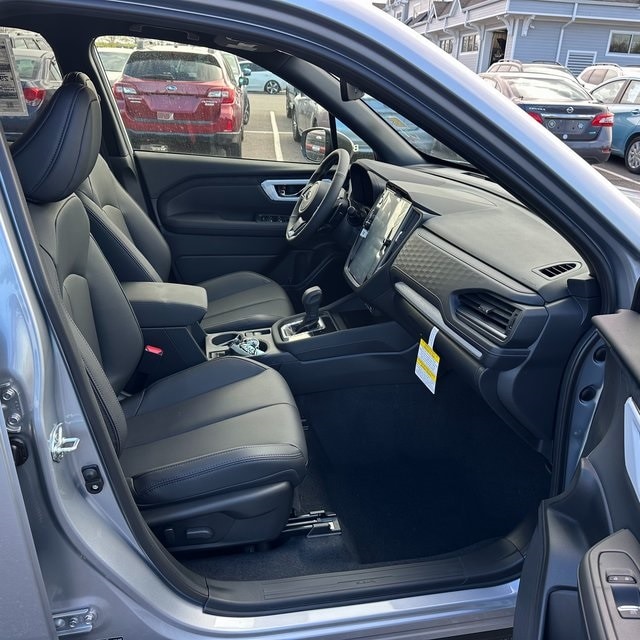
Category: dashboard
<point>444,247</point>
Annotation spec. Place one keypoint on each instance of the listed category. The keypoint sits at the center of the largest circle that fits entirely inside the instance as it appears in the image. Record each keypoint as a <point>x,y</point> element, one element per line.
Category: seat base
<point>243,517</point>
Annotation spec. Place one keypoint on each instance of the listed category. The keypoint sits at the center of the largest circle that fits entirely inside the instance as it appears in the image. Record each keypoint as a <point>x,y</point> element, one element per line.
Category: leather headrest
<point>58,151</point>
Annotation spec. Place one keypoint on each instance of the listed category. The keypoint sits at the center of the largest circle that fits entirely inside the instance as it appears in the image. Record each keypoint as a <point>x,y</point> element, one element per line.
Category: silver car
<point>258,397</point>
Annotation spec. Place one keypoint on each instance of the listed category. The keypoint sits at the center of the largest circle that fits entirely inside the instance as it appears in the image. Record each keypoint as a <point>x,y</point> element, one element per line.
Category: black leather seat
<point>212,453</point>
<point>137,252</point>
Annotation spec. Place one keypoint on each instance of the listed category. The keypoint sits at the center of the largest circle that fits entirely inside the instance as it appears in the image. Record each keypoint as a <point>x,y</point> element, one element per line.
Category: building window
<point>446,45</point>
<point>621,42</point>
<point>469,43</point>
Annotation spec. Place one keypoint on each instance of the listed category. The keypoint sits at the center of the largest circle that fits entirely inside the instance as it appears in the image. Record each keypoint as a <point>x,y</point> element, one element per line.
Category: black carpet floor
<point>410,476</point>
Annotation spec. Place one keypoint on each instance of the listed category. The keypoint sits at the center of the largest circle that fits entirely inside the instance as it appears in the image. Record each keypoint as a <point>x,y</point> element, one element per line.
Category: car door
<point>581,578</point>
<point>626,116</point>
<point>222,214</point>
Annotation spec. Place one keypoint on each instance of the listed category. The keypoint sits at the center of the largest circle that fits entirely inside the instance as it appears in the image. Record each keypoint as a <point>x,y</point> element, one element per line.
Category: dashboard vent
<point>555,270</point>
<point>487,311</point>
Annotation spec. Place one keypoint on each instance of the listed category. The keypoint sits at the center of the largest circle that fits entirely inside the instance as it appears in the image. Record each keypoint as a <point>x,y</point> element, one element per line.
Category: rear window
<point>543,89</point>
<point>28,68</point>
<point>173,66</point>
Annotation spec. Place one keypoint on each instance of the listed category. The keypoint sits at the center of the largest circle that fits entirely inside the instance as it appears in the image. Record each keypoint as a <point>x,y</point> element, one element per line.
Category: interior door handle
<point>283,190</point>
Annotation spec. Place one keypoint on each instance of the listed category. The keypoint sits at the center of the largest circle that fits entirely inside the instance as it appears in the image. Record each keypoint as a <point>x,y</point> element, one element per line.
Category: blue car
<point>623,97</point>
<point>260,79</point>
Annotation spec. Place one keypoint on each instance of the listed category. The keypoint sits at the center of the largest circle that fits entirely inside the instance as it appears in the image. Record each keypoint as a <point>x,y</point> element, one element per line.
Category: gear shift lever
<point>311,299</point>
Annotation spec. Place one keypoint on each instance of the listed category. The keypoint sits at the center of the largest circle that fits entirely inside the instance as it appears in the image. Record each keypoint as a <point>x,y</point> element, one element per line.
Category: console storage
<point>169,315</point>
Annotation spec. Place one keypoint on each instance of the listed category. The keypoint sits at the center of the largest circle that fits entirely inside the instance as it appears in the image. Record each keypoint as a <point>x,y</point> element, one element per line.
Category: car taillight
<point>124,89</point>
<point>603,120</point>
<point>33,97</point>
<point>228,96</point>
<point>536,116</point>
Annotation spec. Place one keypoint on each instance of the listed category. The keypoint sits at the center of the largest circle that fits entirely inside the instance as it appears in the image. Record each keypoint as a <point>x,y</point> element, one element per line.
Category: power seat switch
<point>92,478</point>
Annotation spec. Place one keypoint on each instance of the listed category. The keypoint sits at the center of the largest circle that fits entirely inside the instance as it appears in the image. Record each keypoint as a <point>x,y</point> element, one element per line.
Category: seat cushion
<point>244,300</point>
<point>225,425</point>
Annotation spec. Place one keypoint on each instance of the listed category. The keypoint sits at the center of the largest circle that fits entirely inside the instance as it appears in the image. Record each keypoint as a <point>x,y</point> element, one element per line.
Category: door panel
<point>218,217</point>
<point>577,527</point>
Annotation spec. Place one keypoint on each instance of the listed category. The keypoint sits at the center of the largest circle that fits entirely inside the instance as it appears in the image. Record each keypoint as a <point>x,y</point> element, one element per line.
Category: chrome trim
<point>434,316</point>
<point>269,187</point>
<point>632,444</point>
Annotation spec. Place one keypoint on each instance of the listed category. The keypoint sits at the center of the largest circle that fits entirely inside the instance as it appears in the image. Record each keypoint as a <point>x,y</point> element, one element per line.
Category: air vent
<point>555,270</point>
<point>488,312</point>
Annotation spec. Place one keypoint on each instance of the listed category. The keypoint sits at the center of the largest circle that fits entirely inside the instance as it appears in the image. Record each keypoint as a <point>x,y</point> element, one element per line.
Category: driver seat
<point>137,252</point>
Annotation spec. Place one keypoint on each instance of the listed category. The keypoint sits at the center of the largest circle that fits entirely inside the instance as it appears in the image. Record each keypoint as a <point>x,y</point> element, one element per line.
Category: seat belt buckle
<point>150,359</point>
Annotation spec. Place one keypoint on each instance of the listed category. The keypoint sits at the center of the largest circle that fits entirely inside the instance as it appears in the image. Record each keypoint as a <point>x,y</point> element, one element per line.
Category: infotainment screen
<point>378,233</point>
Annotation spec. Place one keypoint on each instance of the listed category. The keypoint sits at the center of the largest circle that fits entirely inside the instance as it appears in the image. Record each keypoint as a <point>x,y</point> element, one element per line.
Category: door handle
<point>283,190</point>
<point>635,112</point>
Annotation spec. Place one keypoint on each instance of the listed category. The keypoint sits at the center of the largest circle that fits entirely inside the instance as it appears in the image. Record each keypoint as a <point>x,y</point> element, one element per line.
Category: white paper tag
<point>428,362</point>
<point>12,101</point>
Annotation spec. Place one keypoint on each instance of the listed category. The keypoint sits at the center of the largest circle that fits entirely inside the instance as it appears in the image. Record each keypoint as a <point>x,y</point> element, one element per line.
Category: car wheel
<point>294,126</point>
<point>247,112</point>
<point>272,87</point>
<point>632,155</point>
<point>289,110</point>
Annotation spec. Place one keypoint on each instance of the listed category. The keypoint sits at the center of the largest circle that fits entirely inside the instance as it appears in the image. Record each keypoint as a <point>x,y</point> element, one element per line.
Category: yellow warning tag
<point>428,362</point>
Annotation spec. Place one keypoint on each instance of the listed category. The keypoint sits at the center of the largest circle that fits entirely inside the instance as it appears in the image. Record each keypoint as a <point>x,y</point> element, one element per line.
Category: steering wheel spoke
<point>318,198</point>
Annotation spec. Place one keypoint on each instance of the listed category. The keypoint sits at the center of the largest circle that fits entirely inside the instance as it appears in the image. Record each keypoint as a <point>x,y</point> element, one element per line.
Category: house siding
<point>595,37</point>
<point>540,43</point>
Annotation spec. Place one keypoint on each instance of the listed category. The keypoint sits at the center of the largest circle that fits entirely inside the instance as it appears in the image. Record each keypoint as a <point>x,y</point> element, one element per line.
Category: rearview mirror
<point>243,81</point>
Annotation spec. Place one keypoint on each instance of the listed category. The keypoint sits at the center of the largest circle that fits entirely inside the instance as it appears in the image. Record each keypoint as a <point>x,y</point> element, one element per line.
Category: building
<point>575,34</point>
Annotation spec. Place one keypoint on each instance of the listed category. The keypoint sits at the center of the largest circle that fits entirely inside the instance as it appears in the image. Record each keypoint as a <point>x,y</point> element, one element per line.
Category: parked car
<point>275,400</point>
<point>113,59</point>
<point>622,97</point>
<point>260,79</point>
<point>27,40</point>
<point>241,81</point>
<point>176,96</point>
<point>563,108</point>
<point>39,77</point>
<point>596,74</point>
<point>306,113</point>
<point>538,66</point>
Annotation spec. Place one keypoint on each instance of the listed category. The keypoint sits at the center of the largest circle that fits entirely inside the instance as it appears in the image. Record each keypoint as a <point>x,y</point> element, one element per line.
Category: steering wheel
<point>318,198</point>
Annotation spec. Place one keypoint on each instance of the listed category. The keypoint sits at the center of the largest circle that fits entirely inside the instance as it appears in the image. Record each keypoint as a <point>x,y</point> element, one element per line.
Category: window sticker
<point>12,101</point>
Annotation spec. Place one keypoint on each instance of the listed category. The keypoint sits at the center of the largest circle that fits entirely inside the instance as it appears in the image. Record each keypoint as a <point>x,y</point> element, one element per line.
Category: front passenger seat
<point>211,454</point>
<point>137,252</point>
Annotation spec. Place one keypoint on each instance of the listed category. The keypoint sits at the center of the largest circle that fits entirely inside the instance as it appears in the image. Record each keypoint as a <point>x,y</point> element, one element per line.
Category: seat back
<point>132,244</point>
<point>52,157</point>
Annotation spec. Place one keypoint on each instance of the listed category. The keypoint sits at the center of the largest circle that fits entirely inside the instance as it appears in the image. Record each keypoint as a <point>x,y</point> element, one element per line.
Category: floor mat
<point>412,476</point>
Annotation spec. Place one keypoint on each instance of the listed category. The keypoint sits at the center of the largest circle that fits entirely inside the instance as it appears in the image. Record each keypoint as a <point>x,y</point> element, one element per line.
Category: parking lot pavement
<point>268,136</point>
<point>615,171</point>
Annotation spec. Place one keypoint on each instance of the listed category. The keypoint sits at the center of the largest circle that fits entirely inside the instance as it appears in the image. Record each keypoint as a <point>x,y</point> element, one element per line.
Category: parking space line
<point>276,137</point>
<point>265,132</point>
<point>617,175</point>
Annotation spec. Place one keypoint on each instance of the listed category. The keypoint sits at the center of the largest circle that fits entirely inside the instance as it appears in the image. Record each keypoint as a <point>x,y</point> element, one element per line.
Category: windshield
<point>412,133</point>
<point>546,89</point>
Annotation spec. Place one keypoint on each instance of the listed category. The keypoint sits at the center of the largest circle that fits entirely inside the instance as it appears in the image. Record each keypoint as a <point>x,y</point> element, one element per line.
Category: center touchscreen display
<point>380,230</point>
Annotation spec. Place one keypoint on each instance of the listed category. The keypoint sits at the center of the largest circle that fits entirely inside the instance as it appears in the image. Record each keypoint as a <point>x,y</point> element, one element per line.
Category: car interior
<point>322,383</point>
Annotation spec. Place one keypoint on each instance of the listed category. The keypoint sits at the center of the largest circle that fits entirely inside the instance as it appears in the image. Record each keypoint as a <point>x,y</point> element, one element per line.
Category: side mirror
<point>243,81</point>
<point>246,71</point>
<point>316,144</point>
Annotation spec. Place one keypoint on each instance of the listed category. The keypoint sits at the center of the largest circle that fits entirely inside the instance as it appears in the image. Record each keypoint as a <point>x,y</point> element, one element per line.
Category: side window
<point>609,91</point>
<point>597,76</point>
<point>632,93</point>
<point>585,76</point>
<point>35,68</point>
<point>611,73</point>
<point>184,99</point>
